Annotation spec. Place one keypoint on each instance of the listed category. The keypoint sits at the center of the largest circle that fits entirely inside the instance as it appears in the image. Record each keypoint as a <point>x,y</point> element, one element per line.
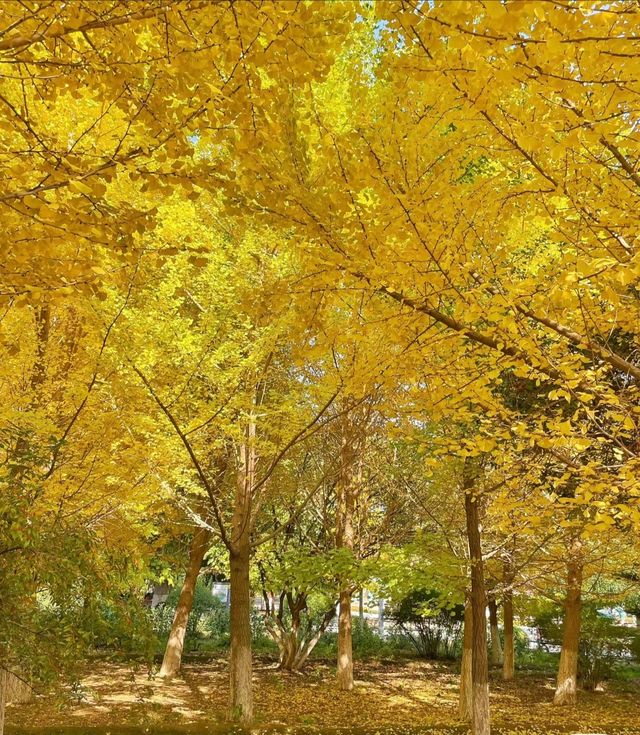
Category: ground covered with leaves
<point>388,695</point>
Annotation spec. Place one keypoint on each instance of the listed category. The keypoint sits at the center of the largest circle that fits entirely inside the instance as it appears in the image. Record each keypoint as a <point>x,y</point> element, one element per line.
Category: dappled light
<point>399,695</point>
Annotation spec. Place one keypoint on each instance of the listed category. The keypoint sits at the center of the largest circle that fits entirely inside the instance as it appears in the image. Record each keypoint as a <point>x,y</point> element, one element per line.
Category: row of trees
<point>360,276</point>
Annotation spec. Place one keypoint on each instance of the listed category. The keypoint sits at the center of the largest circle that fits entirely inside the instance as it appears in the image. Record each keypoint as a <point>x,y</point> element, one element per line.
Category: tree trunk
<point>567,684</point>
<point>479,662</point>
<point>289,651</point>
<point>508,663</point>
<point>306,649</point>
<point>347,493</point>
<point>345,643</point>
<point>290,640</point>
<point>173,652</point>
<point>240,664</point>
<point>466,697</point>
<point>496,647</point>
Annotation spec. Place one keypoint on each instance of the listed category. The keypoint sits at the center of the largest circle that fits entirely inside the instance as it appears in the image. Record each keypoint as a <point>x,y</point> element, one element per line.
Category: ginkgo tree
<point>76,510</point>
<point>95,91</point>
<point>229,225</point>
<point>206,346</point>
<point>411,174</point>
<point>492,245</point>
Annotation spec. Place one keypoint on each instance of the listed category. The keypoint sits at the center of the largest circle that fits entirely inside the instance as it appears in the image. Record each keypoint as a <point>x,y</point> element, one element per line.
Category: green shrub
<point>520,642</point>
<point>366,641</point>
<point>433,629</point>
<point>209,617</point>
<point>123,625</point>
<point>602,642</point>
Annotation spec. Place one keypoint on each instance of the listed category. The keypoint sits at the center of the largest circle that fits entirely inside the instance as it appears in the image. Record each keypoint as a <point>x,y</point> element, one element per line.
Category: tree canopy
<point>363,276</point>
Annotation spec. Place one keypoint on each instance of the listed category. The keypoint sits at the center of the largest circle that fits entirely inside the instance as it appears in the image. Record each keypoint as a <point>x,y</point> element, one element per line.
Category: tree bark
<point>345,642</point>
<point>465,708</point>
<point>508,663</point>
<point>240,662</point>
<point>347,492</point>
<point>311,643</point>
<point>567,683</point>
<point>173,652</point>
<point>496,647</point>
<point>479,662</point>
<point>296,642</point>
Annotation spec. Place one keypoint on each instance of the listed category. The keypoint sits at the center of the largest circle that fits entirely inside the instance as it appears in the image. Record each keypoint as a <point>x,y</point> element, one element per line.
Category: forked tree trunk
<point>294,652</point>
<point>310,644</point>
<point>296,643</point>
<point>567,684</point>
<point>289,646</point>
<point>173,652</point>
<point>508,663</point>
<point>290,640</point>
<point>496,647</point>
<point>465,707</point>
<point>479,664</point>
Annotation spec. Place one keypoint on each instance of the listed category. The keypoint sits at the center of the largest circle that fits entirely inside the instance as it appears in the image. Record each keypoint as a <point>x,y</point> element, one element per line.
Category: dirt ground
<point>388,695</point>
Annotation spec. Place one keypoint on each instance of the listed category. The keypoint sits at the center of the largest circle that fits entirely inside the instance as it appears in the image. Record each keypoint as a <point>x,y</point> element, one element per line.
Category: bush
<point>602,642</point>
<point>366,641</point>
<point>208,621</point>
<point>214,623</point>
<point>520,642</point>
<point>259,633</point>
<point>123,625</point>
<point>209,616</point>
<point>431,628</point>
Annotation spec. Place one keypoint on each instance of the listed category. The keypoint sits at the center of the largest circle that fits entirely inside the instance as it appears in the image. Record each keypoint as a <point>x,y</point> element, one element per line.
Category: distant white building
<point>222,590</point>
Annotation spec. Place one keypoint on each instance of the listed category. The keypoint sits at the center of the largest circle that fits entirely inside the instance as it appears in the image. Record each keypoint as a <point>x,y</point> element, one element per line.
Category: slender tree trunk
<point>508,663</point>
<point>567,684</point>
<point>240,663</point>
<point>345,642</point>
<point>361,608</point>
<point>465,708</point>
<point>173,652</point>
<point>479,663</point>
<point>347,492</point>
<point>496,647</point>
<point>311,643</point>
